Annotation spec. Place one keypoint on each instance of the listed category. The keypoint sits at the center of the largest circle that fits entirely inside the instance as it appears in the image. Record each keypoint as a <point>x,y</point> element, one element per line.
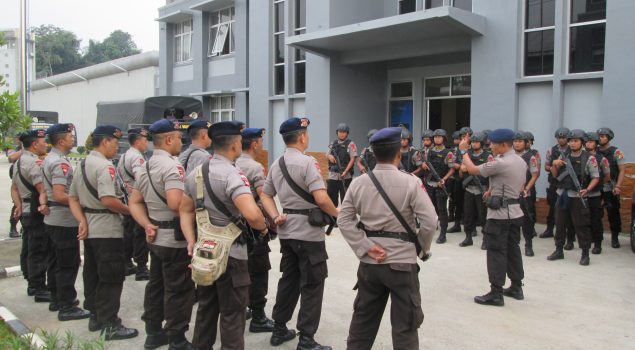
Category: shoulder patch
<point>450,156</point>
<point>537,155</point>
<point>353,147</point>
<point>605,162</point>
<point>534,162</point>
<point>111,170</point>
<point>594,162</point>
<point>619,155</point>
<point>38,162</point>
<point>244,178</point>
<point>65,168</point>
<point>181,171</point>
<point>141,161</point>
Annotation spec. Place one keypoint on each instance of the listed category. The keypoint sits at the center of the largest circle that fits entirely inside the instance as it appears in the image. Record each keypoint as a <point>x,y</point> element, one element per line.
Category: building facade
<point>528,64</point>
<point>10,60</point>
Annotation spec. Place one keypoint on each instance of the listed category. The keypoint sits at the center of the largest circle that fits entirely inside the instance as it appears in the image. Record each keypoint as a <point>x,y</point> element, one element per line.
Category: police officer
<point>388,259</point>
<point>227,298</point>
<point>95,201</point>
<point>596,210</point>
<point>60,225</point>
<point>29,197</point>
<point>456,138</point>
<point>410,156</point>
<point>341,157</point>
<point>303,264</point>
<point>486,145</point>
<point>504,216</point>
<point>476,187</point>
<point>560,148</point>
<point>570,208</point>
<point>134,235</point>
<point>426,142</point>
<point>196,154</point>
<point>367,157</point>
<point>259,263</point>
<point>442,160</point>
<point>528,192</point>
<point>612,193</point>
<point>169,294</point>
<point>458,192</point>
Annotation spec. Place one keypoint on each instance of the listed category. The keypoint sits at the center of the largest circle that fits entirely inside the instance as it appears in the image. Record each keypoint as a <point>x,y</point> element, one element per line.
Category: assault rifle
<point>576,182</point>
<point>436,177</point>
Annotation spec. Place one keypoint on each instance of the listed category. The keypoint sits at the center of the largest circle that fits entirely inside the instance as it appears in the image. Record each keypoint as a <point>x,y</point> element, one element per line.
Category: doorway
<point>449,114</point>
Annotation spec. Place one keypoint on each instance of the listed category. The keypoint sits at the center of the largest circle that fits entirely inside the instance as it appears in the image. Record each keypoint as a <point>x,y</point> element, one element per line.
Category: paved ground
<point>567,306</point>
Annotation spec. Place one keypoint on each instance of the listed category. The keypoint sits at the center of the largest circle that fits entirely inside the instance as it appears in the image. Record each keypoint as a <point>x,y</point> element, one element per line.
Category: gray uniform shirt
<point>254,171</point>
<point>507,172</point>
<point>30,166</point>
<point>101,175</point>
<point>227,182</point>
<point>409,196</point>
<point>57,170</point>
<point>129,164</point>
<point>197,156</point>
<point>167,173</point>
<point>305,171</point>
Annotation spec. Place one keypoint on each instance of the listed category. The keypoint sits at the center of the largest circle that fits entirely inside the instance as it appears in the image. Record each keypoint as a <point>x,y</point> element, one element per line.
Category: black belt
<point>512,201</point>
<point>395,235</point>
<point>56,204</point>
<point>296,211</point>
<point>168,225</point>
<point>98,211</point>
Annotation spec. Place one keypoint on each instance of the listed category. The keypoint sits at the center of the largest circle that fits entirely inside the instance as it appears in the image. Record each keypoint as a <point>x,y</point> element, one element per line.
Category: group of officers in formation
<point>388,215</point>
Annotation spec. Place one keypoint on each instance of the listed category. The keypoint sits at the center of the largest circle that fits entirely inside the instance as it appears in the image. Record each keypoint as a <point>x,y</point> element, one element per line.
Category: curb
<point>19,328</point>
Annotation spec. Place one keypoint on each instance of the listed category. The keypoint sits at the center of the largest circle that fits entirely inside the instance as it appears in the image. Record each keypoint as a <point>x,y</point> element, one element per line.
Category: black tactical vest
<point>599,157</point>
<point>369,158</point>
<point>478,160</point>
<point>579,166</point>
<point>340,151</point>
<point>437,159</point>
<point>609,154</point>
<point>408,160</point>
<point>555,154</point>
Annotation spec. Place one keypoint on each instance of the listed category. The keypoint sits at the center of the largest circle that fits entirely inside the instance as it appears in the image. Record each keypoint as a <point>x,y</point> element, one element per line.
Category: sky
<point>91,19</point>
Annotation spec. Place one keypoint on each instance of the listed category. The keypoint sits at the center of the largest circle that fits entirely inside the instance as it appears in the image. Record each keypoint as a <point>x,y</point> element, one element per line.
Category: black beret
<point>293,125</point>
<point>107,130</point>
<point>227,128</point>
<point>253,133</point>
<point>138,131</point>
<point>60,129</point>
<point>198,124</point>
<point>162,126</point>
<point>32,134</point>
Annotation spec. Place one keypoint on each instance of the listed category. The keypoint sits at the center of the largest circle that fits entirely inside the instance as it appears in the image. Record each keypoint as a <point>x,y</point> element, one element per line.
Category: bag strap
<point>294,186</point>
<point>25,182</point>
<point>187,160</point>
<point>162,198</point>
<point>217,202</point>
<point>123,165</point>
<point>90,187</point>
<point>395,212</point>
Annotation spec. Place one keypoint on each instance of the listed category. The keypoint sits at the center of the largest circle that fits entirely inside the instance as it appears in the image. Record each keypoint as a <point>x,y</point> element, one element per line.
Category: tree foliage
<point>12,121</point>
<point>118,44</point>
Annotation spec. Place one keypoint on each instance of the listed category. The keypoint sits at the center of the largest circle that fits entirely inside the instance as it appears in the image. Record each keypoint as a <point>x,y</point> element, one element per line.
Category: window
<point>299,63</point>
<point>434,3</point>
<point>460,85</point>
<point>183,41</point>
<point>221,32</point>
<point>587,27</point>
<point>223,107</point>
<point>462,4</point>
<point>538,38</point>
<point>406,6</point>
<point>401,104</point>
<point>278,48</point>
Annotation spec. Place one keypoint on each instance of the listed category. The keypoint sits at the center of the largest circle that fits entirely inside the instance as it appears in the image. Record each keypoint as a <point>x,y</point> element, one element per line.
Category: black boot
<point>529,249</point>
<point>556,255</point>
<point>131,269</point>
<point>42,296</point>
<point>442,238</point>
<point>13,233</point>
<point>72,312</point>
<point>467,241</point>
<point>54,306</point>
<point>456,228</point>
<point>584,259</point>
<point>281,334</point>
<point>474,233</point>
<point>155,336</point>
<point>93,324</point>
<point>568,245</point>
<point>493,298</point>
<point>30,291</point>
<point>615,241</point>
<point>142,273</point>
<point>260,323</point>
<point>514,291</point>
<point>117,331</point>
<point>597,248</point>
<point>179,342</point>
<point>308,343</point>
<point>548,232</point>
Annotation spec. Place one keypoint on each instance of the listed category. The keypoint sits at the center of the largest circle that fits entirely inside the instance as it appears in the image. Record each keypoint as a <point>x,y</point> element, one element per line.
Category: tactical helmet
<point>529,136</point>
<point>406,134</point>
<point>561,132</point>
<point>486,133</point>
<point>593,136</point>
<point>478,137</point>
<point>343,127</point>
<point>440,132</point>
<point>465,130</point>
<point>456,135</point>
<point>428,134</point>
<point>520,135</point>
<point>371,132</point>
<point>606,131</point>
<point>577,134</point>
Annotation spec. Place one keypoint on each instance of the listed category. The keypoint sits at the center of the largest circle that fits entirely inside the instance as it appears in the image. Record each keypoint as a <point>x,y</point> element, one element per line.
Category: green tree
<point>57,50</point>
<point>118,44</point>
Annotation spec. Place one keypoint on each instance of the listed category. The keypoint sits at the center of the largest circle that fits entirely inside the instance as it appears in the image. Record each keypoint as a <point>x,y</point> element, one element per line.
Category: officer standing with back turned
<point>197,153</point>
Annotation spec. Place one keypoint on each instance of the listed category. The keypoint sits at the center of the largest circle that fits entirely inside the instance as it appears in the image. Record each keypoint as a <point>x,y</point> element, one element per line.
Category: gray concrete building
<point>527,64</point>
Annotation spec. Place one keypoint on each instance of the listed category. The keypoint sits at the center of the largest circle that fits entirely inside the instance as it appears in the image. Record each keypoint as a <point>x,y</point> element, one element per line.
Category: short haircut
<point>221,142</point>
<point>132,138</point>
<point>386,152</point>
<point>247,143</point>
<point>158,139</point>
<point>293,137</point>
<point>196,133</point>
<point>56,138</point>
<point>28,142</point>
<point>97,139</point>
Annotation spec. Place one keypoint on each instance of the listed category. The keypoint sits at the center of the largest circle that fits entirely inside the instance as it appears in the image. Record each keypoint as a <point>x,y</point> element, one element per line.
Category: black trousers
<point>336,189</point>
<point>304,269</point>
<point>135,244</point>
<point>12,221</point>
<point>458,195</point>
<point>474,211</point>
<point>65,263</point>
<point>596,213</point>
<point>169,294</point>
<point>612,204</point>
<point>578,216</point>
<point>104,273</point>
<point>24,254</point>
<point>528,205</point>
<point>226,300</point>
<point>40,253</point>
<point>375,283</point>
<point>552,197</point>
<point>259,266</point>
<point>440,201</point>
<point>502,239</point>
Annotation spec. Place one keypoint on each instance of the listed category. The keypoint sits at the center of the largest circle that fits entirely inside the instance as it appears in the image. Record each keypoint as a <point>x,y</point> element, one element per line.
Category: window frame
<point>179,51</point>
<point>570,25</point>
<point>219,111</point>
<point>211,45</point>
<point>399,7</point>
<point>275,35</point>
<point>391,99</point>
<point>296,62</point>
<point>523,41</point>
